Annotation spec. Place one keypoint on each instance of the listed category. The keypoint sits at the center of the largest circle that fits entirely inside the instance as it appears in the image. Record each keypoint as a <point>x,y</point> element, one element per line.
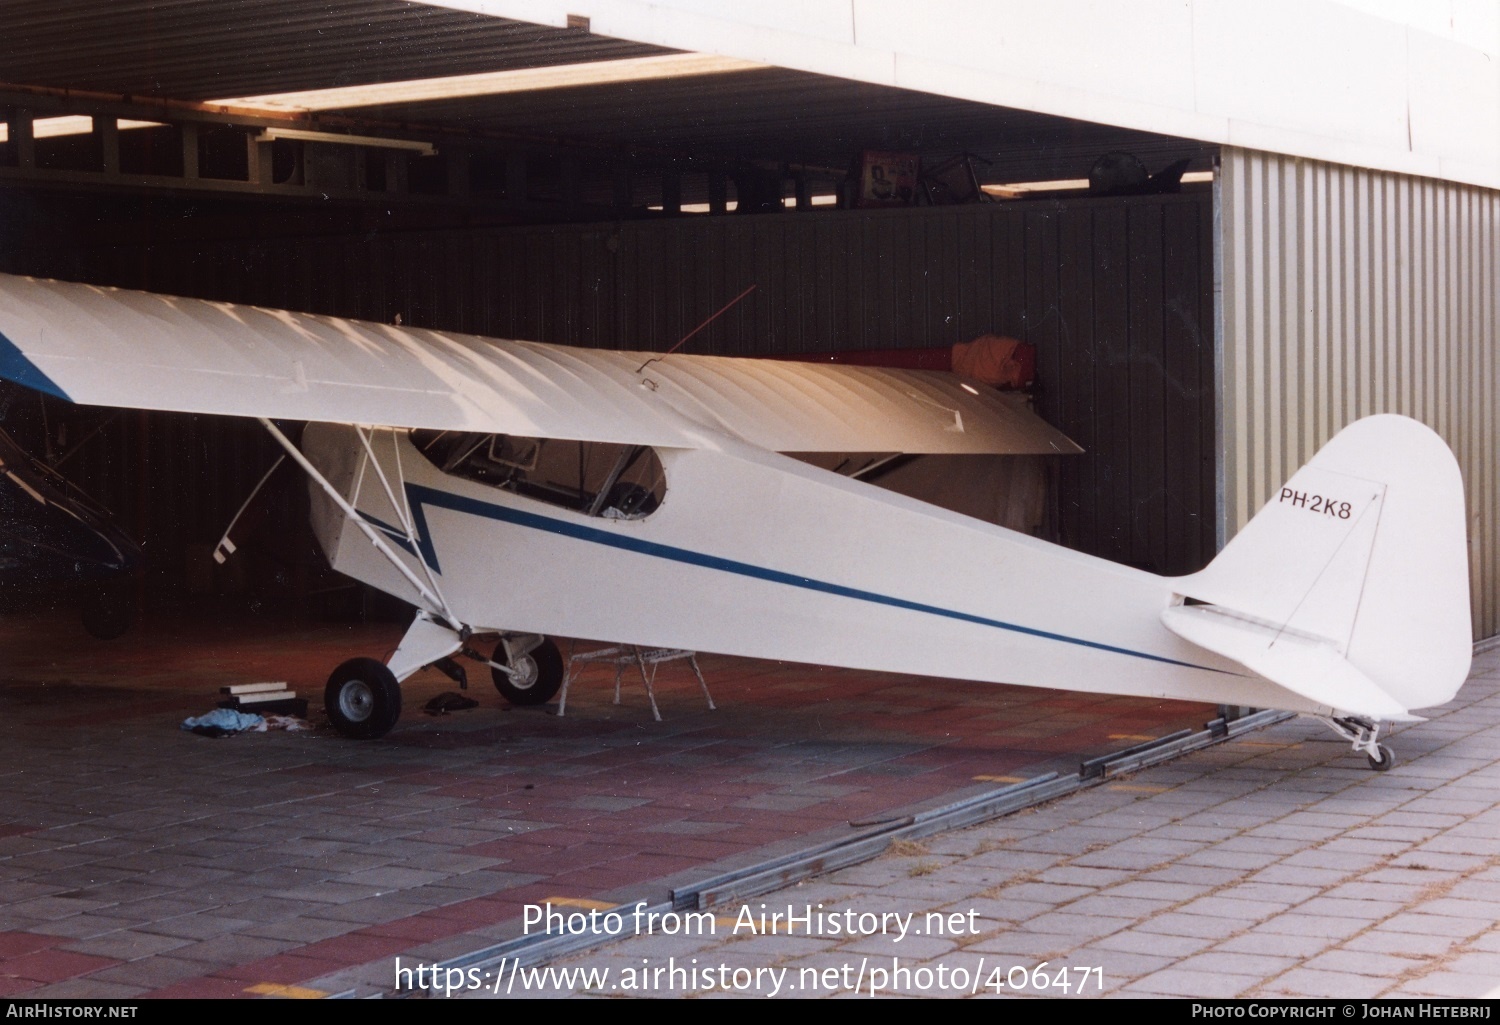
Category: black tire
<point>1385,761</point>
<point>363,699</point>
<point>543,675</point>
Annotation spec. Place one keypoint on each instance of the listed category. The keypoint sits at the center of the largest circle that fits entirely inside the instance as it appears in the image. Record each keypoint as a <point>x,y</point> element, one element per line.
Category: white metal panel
<point>1365,84</point>
<point>1440,70</point>
<point>984,36</point>
<point>1308,68</point>
<point>113,347</point>
<point>1347,293</point>
<point>1454,19</point>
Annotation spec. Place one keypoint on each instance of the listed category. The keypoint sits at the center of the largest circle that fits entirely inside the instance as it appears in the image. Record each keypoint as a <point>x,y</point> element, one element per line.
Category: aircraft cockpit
<point>613,481</point>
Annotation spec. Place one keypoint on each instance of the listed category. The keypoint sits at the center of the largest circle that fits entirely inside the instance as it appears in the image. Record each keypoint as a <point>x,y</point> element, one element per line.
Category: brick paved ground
<point>136,859</point>
<point>1275,865</point>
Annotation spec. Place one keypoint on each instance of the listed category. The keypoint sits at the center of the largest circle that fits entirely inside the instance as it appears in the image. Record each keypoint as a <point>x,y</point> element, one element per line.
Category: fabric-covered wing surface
<point>112,347</point>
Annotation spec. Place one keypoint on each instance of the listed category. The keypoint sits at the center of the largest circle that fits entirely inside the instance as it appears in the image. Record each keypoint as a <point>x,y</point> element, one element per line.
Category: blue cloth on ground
<point>226,719</point>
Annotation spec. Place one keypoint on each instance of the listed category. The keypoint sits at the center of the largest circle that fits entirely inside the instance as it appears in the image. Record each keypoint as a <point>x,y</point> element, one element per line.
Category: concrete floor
<point>140,860</point>
<point>1273,866</point>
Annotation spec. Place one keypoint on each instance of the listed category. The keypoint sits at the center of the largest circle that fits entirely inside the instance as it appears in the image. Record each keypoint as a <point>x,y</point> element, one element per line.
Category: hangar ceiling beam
<point>71,139</point>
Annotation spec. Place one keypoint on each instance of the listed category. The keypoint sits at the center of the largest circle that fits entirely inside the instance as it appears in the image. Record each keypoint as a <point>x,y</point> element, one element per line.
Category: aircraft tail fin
<point>1351,586</point>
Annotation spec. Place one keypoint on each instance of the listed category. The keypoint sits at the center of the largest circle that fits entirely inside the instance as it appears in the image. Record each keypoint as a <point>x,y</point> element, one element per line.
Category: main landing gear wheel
<point>363,699</point>
<point>1386,759</point>
<point>539,675</point>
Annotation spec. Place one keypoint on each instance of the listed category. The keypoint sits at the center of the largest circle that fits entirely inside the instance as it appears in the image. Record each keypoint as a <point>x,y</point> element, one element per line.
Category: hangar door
<point>1115,292</point>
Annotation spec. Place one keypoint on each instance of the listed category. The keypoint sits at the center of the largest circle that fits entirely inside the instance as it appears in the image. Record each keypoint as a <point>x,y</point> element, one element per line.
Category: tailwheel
<point>533,677</point>
<point>1363,735</point>
<point>363,699</point>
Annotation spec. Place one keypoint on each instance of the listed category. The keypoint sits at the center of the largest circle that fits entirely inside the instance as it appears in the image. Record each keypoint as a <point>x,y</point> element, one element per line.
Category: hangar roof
<point>205,50</point>
<point>1411,86</point>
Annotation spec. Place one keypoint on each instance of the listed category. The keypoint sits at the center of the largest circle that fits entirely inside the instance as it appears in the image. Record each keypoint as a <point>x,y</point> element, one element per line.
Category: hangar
<point>582,176</point>
<point>610,173</point>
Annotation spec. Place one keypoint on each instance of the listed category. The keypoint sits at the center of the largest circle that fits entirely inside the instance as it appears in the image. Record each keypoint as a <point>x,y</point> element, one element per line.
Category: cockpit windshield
<point>624,482</point>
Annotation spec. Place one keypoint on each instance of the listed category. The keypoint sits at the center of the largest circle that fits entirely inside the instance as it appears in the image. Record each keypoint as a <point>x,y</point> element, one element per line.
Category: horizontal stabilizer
<point>1304,665</point>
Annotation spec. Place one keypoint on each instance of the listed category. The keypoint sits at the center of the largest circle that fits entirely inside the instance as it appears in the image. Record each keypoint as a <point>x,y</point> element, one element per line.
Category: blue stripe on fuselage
<point>420,496</point>
<point>396,535</point>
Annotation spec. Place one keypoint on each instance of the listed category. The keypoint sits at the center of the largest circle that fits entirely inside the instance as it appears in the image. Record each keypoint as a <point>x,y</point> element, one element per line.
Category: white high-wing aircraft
<point>513,490</point>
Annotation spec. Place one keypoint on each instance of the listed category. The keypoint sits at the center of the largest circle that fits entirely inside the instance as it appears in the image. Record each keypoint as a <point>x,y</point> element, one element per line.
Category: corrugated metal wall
<point>1116,293</point>
<point>1350,292</point>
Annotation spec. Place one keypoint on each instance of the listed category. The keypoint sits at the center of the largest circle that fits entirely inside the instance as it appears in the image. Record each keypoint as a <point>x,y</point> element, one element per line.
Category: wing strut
<point>434,602</point>
<point>403,512</point>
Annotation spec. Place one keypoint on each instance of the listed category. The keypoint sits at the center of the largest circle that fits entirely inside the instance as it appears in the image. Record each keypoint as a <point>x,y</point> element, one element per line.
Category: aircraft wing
<point>112,347</point>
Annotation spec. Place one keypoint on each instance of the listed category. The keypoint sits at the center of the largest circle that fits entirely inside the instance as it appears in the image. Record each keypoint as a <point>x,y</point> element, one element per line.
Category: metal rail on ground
<point>775,873</point>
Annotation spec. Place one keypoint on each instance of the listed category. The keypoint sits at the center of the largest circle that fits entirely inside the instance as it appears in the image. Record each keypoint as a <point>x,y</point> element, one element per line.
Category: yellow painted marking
<point>1131,736</point>
<point>1138,788</point>
<point>1001,779</point>
<point>580,902</point>
<point>273,989</point>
